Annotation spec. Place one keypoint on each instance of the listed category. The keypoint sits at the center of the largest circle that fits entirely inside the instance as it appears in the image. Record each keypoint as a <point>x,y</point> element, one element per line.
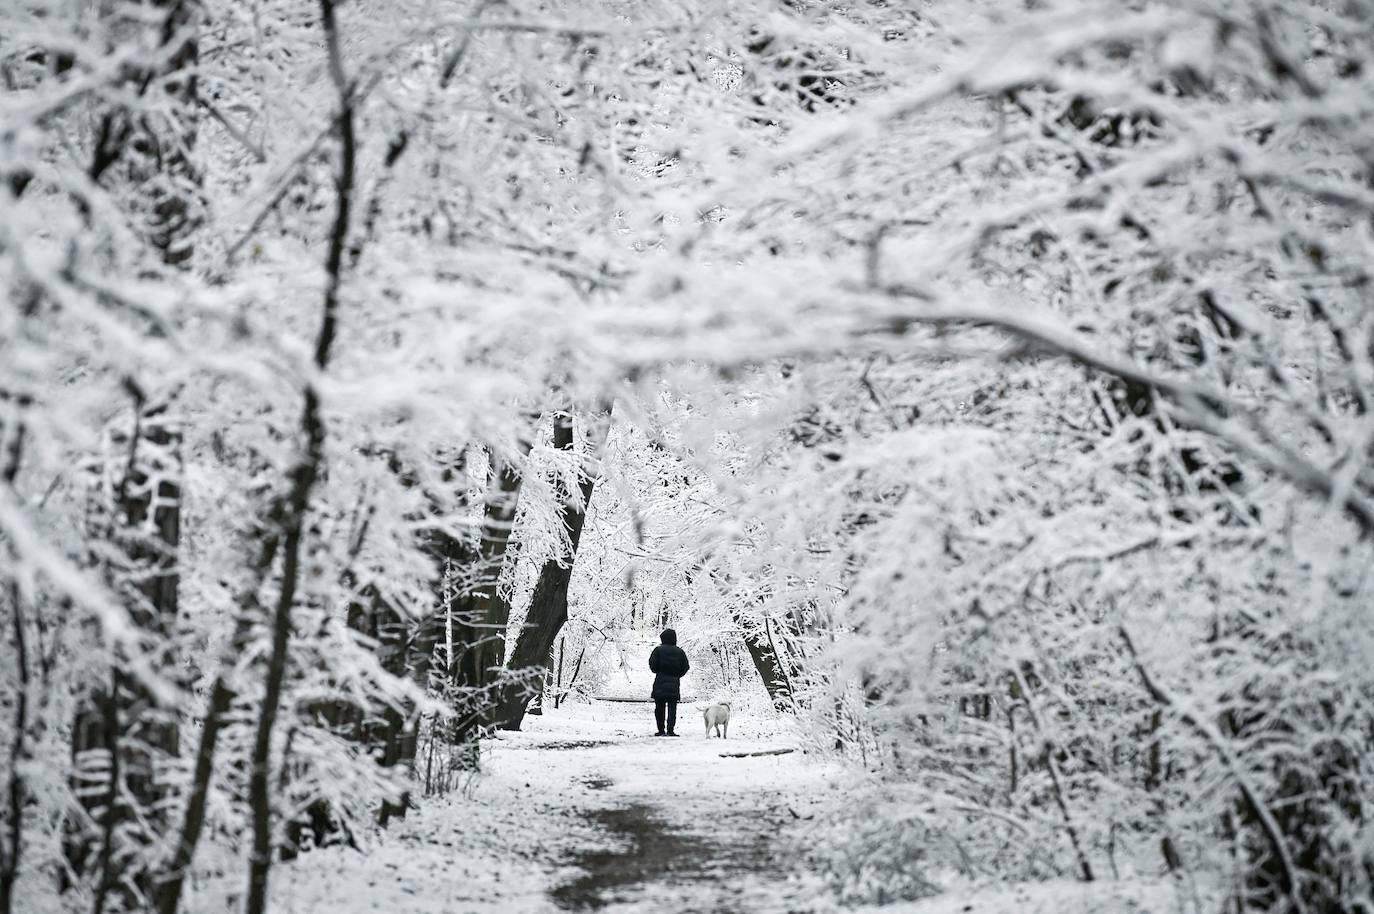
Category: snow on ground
<point>1059,896</point>
<point>586,810</point>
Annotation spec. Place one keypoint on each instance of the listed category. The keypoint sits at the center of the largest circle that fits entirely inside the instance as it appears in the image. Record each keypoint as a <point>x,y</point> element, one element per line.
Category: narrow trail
<point>676,826</point>
<point>585,811</point>
<point>653,858</point>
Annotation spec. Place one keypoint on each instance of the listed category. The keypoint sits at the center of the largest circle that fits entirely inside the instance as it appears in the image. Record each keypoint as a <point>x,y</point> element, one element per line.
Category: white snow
<point>520,839</point>
<point>509,843</point>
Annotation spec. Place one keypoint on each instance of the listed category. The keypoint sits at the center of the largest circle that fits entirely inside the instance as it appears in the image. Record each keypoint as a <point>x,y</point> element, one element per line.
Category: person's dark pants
<point>670,706</point>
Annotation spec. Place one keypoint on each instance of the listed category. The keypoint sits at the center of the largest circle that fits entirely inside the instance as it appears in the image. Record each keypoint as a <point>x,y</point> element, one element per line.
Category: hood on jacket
<point>668,637</point>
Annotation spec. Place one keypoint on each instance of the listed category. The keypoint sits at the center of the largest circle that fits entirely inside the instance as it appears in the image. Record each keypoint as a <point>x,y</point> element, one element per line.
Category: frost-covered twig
<point>292,509</point>
<point>1050,750</point>
<point>1206,407</point>
<point>1209,733</point>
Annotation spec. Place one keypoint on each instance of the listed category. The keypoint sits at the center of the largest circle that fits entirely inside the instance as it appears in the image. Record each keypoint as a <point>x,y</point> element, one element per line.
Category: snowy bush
<point>880,854</point>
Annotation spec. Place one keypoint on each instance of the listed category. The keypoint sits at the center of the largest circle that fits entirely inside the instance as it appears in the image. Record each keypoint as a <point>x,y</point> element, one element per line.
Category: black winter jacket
<point>670,664</point>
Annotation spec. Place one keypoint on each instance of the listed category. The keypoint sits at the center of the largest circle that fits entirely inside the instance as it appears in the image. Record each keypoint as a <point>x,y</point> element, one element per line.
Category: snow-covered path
<point>584,810</point>
<point>681,827</point>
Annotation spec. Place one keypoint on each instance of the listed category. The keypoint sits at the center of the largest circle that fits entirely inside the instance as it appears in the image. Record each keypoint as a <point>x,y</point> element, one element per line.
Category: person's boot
<point>669,733</point>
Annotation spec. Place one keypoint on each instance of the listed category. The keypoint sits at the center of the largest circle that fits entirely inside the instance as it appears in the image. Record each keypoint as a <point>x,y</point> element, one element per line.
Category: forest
<point>980,388</point>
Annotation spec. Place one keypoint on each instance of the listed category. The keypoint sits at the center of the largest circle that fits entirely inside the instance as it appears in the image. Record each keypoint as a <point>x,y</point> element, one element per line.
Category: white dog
<point>718,716</point>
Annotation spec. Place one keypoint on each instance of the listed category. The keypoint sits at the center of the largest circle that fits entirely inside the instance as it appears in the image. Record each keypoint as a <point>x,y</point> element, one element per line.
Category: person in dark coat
<point>669,664</point>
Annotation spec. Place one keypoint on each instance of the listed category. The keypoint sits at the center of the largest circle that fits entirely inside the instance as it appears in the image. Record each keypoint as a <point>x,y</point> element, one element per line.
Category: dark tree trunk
<point>12,844</point>
<point>547,614</point>
<point>221,698</point>
<point>119,735</point>
<point>763,651</point>
<point>489,610</point>
<point>419,645</point>
<point>292,522</point>
<point>481,612</point>
<point>303,476</point>
<point>381,729</point>
<point>404,648</point>
<point>17,791</point>
<point>121,738</point>
<point>558,676</point>
<point>549,603</point>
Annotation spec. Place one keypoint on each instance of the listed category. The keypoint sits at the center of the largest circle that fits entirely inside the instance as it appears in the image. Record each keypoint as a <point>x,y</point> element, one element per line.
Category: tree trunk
<point>17,791</point>
<point>303,476</point>
<point>764,653</point>
<point>482,612</point>
<point>120,737</point>
<point>418,653</point>
<point>549,603</point>
<point>12,844</point>
<point>558,676</point>
<point>489,610</point>
<point>381,729</point>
